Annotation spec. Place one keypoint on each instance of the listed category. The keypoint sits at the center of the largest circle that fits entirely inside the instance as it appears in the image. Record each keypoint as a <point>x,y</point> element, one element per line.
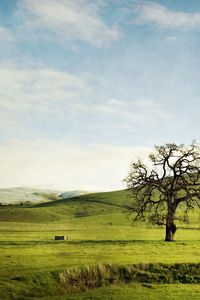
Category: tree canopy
<point>170,180</point>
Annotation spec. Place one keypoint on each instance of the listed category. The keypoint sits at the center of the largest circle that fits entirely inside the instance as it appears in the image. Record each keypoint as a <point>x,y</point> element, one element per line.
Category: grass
<point>99,231</point>
<point>139,292</point>
<point>81,279</point>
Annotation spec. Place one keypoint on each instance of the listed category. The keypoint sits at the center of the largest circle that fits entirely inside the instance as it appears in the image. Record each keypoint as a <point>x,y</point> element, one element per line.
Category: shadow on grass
<point>114,242</point>
<point>82,199</point>
<point>82,242</point>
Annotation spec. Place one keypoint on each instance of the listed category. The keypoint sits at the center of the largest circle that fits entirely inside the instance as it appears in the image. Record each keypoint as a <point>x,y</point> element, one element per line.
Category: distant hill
<point>72,194</point>
<point>27,195</point>
<point>102,207</point>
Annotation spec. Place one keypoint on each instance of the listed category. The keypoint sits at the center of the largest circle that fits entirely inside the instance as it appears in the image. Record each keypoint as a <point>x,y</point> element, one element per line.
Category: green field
<point>99,231</point>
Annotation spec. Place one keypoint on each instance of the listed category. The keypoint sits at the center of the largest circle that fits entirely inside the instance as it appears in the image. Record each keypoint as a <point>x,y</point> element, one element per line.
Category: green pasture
<point>140,292</point>
<point>99,230</point>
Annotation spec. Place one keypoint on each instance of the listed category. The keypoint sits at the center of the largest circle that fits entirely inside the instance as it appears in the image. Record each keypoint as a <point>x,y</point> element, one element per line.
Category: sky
<point>86,87</point>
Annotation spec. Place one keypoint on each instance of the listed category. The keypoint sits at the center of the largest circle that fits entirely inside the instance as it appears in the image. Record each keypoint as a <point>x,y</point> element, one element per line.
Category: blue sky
<point>86,86</point>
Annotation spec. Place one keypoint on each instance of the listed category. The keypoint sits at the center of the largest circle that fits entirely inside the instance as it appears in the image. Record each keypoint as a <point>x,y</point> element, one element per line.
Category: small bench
<point>61,237</point>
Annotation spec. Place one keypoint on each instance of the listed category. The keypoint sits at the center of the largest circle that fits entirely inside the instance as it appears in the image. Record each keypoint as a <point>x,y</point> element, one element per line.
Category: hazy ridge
<point>18,195</point>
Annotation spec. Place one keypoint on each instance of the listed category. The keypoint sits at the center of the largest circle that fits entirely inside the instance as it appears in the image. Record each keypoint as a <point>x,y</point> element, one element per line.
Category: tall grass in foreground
<point>77,280</point>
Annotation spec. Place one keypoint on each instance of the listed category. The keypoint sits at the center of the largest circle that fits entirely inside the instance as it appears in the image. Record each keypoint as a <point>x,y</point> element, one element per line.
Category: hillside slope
<point>97,208</point>
<point>89,205</point>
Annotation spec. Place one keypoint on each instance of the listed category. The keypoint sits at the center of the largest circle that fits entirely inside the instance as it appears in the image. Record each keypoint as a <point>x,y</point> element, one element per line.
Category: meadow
<point>100,232</point>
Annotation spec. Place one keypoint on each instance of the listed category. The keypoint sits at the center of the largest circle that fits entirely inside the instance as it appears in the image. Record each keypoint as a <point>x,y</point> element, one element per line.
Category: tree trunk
<point>168,235</point>
<point>170,226</point>
<point>173,230</point>
<point>170,232</point>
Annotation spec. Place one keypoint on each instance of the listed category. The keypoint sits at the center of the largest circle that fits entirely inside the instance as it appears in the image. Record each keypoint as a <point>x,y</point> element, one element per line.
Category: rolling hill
<point>27,195</point>
<point>59,210</point>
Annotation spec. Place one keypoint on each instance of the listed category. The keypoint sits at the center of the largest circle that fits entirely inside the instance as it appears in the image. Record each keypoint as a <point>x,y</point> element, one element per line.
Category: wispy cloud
<point>40,92</point>
<point>50,95</point>
<point>4,33</point>
<point>154,13</point>
<point>67,20</point>
<point>129,111</point>
<point>6,37</point>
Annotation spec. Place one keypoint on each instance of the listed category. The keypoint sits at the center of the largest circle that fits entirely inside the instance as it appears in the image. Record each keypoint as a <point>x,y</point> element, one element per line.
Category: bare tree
<point>172,181</point>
